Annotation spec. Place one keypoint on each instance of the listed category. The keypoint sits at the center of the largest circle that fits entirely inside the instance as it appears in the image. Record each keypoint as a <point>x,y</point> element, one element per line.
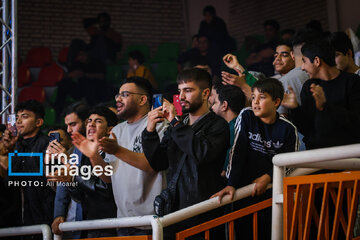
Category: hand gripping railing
<point>157,223</point>
<point>337,158</point>
<point>27,230</point>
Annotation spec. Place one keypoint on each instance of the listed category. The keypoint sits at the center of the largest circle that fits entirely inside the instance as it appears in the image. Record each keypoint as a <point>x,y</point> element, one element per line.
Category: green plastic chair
<point>50,116</point>
<point>114,74</point>
<point>166,73</point>
<point>165,52</point>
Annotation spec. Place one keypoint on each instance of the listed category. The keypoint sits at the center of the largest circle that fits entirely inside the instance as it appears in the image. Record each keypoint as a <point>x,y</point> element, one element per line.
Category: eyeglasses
<point>125,94</point>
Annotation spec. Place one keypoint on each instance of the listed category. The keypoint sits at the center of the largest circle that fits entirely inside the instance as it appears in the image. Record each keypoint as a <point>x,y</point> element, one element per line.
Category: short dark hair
<point>271,86</point>
<point>109,115</point>
<point>217,83</point>
<point>286,43</point>
<point>104,15</point>
<point>233,95</point>
<point>209,9</point>
<point>275,24</point>
<point>342,43</point>
<point>196,36</point>
<point>31,105</point>
<point>143,84</point>
<point>80,109</point>
<point>304,35</point>
<point>320,48</point>
<point>2,128</point>
<point>200,76</point>
<point>137,55</point>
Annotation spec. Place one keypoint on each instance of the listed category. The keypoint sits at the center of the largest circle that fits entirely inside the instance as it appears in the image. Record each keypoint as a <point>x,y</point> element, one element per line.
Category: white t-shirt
<point>134,190</point>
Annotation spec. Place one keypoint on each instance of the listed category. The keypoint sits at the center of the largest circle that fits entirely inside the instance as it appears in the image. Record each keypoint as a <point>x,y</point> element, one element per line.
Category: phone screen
<point>54,136</point>
<point>11,124</point>
<point>157,100</point>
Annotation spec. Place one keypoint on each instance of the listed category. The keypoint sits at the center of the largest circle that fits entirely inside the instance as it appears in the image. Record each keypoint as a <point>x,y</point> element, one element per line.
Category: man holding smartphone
<point>199,143</point>
<point>66,209</point>
<point>29,120</point>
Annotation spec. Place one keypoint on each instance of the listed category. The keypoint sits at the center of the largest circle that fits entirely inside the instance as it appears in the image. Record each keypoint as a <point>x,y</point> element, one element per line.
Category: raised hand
<point>232,79</point>
<point>318,95</point>
<point>109,145</point>
<point>4,162</point>
<point>8,140</point>
<point>169,110</point>
<point>55,147</point>
<point>87,147</point>
<point>230,61</point>
<point>289,101</point>
<point>155,116</point>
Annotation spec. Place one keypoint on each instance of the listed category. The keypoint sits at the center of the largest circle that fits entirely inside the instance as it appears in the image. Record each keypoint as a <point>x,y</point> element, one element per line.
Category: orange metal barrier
<point>317,205</point>
<point>229,218</point>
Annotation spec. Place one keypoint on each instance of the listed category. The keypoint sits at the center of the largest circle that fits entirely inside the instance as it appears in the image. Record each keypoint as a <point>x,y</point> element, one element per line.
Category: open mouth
<point>119,106</point>
<point>183,103</point>
<point>91,132</point>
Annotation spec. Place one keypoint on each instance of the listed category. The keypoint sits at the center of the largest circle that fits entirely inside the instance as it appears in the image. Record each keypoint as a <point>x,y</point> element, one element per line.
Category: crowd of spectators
<point>302,92</point>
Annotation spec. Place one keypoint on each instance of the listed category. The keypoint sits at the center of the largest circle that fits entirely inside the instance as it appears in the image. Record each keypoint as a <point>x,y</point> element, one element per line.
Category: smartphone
<point>157,100</point>
<point>54,136</point>
<point>11,124</point>
<point>176,103</point>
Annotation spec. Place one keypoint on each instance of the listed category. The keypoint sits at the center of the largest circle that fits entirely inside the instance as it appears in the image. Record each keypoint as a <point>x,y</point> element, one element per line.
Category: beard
<point>194,106</point>
<point>128,112</point>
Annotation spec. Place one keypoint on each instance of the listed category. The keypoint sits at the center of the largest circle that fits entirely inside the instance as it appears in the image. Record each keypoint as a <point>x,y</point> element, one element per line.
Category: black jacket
<point>38,200</point>
<point>339,122</point>
<point>96,196</point>
<point>204,144</point>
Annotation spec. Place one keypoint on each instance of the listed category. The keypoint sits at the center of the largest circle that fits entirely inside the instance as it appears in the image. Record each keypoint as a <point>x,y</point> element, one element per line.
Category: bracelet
<point>174,122</point>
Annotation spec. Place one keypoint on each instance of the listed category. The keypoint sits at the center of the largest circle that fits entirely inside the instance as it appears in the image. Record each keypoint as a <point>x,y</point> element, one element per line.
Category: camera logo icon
<point>17,154</point>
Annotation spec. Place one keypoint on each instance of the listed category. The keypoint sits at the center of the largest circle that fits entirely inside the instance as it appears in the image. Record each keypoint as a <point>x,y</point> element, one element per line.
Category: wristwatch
<point>175,121</point>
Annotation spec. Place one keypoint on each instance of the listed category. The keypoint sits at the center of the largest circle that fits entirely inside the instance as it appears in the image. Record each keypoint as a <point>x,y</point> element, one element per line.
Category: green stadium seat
<point>114,74</point>
<point>166,51</point>
<point>166,73</point>
<point>50,116</point>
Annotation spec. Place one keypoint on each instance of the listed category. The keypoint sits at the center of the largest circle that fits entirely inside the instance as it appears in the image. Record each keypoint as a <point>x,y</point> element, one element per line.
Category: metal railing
<point>27,230</point>
<point>337,158</point>
<point>315,205</point>
<point>326,158</point>
<point>155,222</point>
